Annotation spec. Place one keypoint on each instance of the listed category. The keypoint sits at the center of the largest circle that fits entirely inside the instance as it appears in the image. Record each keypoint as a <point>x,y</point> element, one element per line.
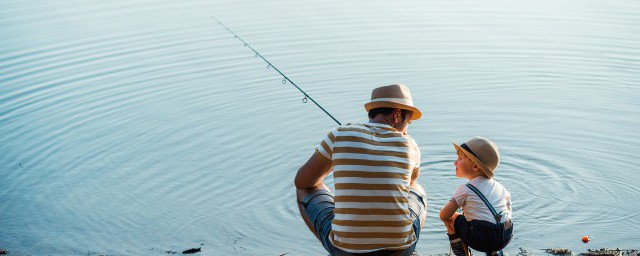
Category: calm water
<point>136,127</point>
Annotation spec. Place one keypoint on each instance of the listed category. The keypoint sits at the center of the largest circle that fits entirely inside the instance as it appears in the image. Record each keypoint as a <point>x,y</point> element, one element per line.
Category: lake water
<point>139,127</point>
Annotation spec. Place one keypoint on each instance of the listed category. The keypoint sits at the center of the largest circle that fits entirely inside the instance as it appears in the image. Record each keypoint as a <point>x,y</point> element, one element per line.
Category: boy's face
<point>464,166</point>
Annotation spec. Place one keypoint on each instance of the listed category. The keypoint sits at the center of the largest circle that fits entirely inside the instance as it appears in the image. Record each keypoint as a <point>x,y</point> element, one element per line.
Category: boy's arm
<point>448,210</point>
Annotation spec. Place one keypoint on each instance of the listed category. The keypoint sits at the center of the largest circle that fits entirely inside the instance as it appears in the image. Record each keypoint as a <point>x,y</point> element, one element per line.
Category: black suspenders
<point>497,216</point>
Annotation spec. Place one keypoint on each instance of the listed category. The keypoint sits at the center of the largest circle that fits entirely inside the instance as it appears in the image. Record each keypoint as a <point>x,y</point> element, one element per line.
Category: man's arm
<point>414,175</point>
<point>313,171</point>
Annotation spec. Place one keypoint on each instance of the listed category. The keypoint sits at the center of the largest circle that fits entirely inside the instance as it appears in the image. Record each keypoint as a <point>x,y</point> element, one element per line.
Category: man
<point>378,208</point>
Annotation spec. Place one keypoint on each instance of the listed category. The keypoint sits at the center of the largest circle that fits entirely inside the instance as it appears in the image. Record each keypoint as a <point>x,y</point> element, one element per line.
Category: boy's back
<point>475,209</point>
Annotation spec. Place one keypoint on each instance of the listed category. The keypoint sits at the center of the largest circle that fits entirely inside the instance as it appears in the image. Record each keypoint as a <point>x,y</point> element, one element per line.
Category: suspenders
<point>506,228</point>
<point>484,199</point>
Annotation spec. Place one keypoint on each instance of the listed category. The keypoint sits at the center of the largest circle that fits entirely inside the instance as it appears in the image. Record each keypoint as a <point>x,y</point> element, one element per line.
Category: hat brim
<point>387,104</point>
<point>475,160</point>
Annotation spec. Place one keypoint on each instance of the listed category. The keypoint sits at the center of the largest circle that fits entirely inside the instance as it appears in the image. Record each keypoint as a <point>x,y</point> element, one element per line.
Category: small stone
<point>559,251</point>
<point>192,250</point>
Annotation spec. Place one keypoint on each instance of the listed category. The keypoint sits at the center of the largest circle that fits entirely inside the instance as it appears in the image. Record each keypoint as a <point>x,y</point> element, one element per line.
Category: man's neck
<point>379,119</point>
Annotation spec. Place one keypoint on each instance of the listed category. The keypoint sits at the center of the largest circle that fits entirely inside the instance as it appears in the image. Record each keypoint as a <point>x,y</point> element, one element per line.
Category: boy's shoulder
<point>461,194</point>
<point>461,190</point>
<point>498,184</point>
<point>487,185</point>
<point>498,189</point>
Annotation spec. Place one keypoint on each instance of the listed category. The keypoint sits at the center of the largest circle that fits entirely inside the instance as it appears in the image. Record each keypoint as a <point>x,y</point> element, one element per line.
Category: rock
<point>192,250</point>
<point>525,252</point>
<point>559,251</point>
<point>610,252</point>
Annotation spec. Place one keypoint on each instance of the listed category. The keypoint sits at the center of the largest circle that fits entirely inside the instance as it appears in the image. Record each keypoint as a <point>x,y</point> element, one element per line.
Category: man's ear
<point>397,115</point>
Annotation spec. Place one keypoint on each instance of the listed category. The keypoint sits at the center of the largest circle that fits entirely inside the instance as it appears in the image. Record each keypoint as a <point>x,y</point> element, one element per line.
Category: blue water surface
<point>140,127</point>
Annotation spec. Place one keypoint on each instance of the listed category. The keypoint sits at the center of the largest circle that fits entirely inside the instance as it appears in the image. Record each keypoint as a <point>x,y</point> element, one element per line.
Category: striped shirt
<point>372,166</point>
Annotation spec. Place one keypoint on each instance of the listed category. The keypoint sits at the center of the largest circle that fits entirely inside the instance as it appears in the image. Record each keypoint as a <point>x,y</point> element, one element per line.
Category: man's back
<point>372,167</point>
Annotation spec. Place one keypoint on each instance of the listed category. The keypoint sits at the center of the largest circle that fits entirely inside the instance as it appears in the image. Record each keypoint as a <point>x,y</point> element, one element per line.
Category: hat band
<point>465,147</point>
<point>396,100</point>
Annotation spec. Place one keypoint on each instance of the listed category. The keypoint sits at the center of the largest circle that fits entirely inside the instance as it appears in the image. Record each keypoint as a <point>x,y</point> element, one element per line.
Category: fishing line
<point>284,77</point>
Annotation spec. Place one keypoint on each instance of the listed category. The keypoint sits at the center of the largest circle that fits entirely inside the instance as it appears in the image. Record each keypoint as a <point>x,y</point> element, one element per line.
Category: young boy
<point>485,224</point>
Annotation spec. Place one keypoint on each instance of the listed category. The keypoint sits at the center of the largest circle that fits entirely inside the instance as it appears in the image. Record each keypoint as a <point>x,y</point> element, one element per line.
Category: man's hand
<point>313,171</point>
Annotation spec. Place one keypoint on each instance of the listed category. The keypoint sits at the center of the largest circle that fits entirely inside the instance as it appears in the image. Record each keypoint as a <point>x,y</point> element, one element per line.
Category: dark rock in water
<point>602,252</point>
<point>3,252</point>
<point>559,251</point>
<point>610,252</point>
<point>192,250</point>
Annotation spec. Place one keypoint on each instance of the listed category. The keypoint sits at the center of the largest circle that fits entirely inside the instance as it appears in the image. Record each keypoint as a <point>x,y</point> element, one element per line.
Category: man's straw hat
<point>393,96</point>
<point>483,152</point>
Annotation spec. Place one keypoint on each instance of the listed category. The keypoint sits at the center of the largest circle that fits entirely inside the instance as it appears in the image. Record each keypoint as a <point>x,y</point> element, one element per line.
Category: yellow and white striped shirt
<point>372,166</point>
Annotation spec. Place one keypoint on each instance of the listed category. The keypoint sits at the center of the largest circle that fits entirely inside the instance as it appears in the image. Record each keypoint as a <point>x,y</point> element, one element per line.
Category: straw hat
<point>393,96</point>
<point>483,152</point>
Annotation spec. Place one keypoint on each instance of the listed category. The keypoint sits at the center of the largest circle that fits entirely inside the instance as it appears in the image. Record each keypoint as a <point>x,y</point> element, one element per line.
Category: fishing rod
<point>284,77</point>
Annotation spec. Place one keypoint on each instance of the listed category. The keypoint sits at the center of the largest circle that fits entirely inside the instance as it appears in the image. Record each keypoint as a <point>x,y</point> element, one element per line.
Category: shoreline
<point>591,252</point>
<point>561,252</point>
<point>523,252</point>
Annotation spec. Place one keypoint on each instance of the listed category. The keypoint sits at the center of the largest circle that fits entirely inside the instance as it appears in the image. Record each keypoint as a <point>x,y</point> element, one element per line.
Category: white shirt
<point>475,209</point>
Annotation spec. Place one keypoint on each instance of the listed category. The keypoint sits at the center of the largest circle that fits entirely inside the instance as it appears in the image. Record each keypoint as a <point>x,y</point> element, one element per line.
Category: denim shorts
<point>319,207</point>
<point>482,235</point>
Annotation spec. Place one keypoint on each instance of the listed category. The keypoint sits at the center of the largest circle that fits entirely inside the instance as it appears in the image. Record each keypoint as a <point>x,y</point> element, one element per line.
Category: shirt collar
<point>479,178</point>
<point>379,125</point>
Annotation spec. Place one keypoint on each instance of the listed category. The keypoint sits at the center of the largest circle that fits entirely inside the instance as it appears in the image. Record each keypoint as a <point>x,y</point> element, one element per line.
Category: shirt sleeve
<point>416,157</point>
<point>460,196</point>
<point>508,197</point>
<point>325,147</point>
<point>416,169</point>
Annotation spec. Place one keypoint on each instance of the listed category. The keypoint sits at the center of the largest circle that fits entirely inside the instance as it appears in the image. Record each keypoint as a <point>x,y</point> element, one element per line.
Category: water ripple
<point>149,126</point>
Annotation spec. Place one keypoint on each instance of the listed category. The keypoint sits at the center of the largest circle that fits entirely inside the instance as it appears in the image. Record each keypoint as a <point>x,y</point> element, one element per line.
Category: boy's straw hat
<point>483,152</point>
<point>393,96</point>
